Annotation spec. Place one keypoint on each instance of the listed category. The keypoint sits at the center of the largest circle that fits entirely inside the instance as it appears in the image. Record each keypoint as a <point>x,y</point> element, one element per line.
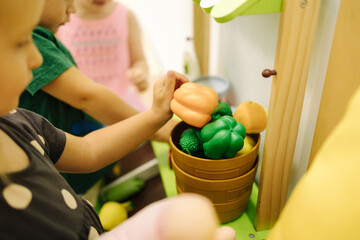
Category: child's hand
<point>138,77</point>
<point>164,92</point>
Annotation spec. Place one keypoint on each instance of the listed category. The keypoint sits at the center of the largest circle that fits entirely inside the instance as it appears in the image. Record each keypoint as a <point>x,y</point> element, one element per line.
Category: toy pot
<point>226,182</point>
<point>209,168</point>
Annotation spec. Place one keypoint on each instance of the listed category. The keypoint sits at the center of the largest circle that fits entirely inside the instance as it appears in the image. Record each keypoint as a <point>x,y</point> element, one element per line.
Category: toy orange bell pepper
<point>194,104</point>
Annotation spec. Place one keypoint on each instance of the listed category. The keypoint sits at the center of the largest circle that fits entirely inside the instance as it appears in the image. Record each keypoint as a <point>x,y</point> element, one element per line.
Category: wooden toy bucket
<point>226,182</point>
<point>209,168</point>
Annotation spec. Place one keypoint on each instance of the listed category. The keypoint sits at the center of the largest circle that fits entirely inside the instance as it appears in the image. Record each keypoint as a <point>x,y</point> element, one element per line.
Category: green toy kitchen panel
<point>226,10</point>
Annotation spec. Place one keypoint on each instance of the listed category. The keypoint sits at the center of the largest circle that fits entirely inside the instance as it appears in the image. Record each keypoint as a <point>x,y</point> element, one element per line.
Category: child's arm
<point>102,147</point>
<point>76,89</point>
<point>138,72</point>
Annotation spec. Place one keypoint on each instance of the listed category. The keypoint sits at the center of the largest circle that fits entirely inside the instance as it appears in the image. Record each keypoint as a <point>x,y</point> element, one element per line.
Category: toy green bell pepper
<point>223,138</point>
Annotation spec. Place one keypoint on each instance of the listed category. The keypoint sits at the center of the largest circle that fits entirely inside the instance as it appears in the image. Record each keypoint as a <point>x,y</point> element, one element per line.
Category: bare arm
<point>138,72</point>
<point>76,89</point>
<point>104,146</point>
<point>100,148</point>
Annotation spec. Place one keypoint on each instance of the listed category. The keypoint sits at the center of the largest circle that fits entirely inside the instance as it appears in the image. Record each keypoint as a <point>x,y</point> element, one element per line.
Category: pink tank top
<point>101,51</point>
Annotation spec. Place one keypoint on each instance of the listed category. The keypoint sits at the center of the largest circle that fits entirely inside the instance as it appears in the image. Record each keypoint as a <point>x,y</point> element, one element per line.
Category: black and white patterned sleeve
<point>54,139</point>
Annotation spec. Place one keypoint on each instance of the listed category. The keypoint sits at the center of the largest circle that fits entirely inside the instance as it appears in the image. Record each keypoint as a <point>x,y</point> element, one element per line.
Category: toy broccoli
<point>225,111</point>
<point>190,142</point>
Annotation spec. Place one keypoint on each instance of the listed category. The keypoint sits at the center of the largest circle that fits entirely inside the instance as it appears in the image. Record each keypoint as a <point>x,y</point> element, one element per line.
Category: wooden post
<point>294,47</point>
<point>201,38</point>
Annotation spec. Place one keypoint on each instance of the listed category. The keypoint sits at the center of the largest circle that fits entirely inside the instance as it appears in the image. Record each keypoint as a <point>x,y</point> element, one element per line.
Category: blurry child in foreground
<point>35,201</point>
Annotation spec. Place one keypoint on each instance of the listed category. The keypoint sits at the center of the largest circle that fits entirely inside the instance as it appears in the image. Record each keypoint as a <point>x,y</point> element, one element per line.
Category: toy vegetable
<point>223,138</point>
<point>249,144</point>
<point>252,115</point>
<point>194,104</point>
<point>190,142</point>
<point>123,191</point>
<point>225,110</point>
<point>113,213</point>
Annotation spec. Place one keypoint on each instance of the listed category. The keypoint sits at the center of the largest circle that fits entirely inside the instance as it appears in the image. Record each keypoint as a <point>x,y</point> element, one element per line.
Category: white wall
<point>165,25</point>
<point>240,50</point>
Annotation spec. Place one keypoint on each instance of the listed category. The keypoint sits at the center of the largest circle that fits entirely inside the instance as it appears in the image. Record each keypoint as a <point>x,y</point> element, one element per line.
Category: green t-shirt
<point>57,59</point>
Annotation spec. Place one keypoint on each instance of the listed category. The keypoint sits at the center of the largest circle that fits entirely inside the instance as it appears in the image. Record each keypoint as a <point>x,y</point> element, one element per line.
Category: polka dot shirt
<point>36,202</point>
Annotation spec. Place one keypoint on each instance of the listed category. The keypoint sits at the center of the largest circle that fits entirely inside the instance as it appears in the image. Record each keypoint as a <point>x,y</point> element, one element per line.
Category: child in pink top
<point>105,41</point>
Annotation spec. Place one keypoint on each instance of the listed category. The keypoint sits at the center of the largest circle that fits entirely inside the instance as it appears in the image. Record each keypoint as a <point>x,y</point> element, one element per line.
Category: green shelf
<point>226,10</point>
<point>243,226</point>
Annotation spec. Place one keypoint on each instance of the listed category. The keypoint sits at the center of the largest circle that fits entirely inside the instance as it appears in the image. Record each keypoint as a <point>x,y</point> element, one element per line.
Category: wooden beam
<point>294,48</point>
<point>201,38</point>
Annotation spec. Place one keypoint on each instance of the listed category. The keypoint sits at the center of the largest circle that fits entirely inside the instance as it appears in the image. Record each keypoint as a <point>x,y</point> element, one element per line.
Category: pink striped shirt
<point>101,51</point>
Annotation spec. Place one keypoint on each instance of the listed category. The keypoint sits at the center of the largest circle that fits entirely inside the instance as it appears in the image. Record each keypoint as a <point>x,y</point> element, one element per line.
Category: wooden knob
<point>267,73</point>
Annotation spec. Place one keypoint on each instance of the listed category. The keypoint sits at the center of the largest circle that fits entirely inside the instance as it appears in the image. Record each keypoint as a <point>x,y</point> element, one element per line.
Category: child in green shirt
<point>67,97</point>
<point>35,201</point>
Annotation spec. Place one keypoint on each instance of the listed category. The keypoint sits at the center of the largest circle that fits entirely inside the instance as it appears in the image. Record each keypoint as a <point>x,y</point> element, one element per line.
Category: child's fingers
<point>170,81</point>
<point>167,82</point>
<point>136,75</point>
<point>180,79</point>
<point>142,86</point>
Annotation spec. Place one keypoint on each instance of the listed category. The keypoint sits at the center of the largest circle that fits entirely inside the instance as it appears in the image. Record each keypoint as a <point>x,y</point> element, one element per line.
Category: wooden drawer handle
<point>267,73</point>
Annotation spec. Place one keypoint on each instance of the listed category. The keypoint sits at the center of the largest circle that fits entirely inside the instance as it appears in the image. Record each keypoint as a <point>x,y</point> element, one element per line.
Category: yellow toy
<point>249,143</point>
<point>325,203</point>
<point>113,213</point>
<point>252,115</point>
